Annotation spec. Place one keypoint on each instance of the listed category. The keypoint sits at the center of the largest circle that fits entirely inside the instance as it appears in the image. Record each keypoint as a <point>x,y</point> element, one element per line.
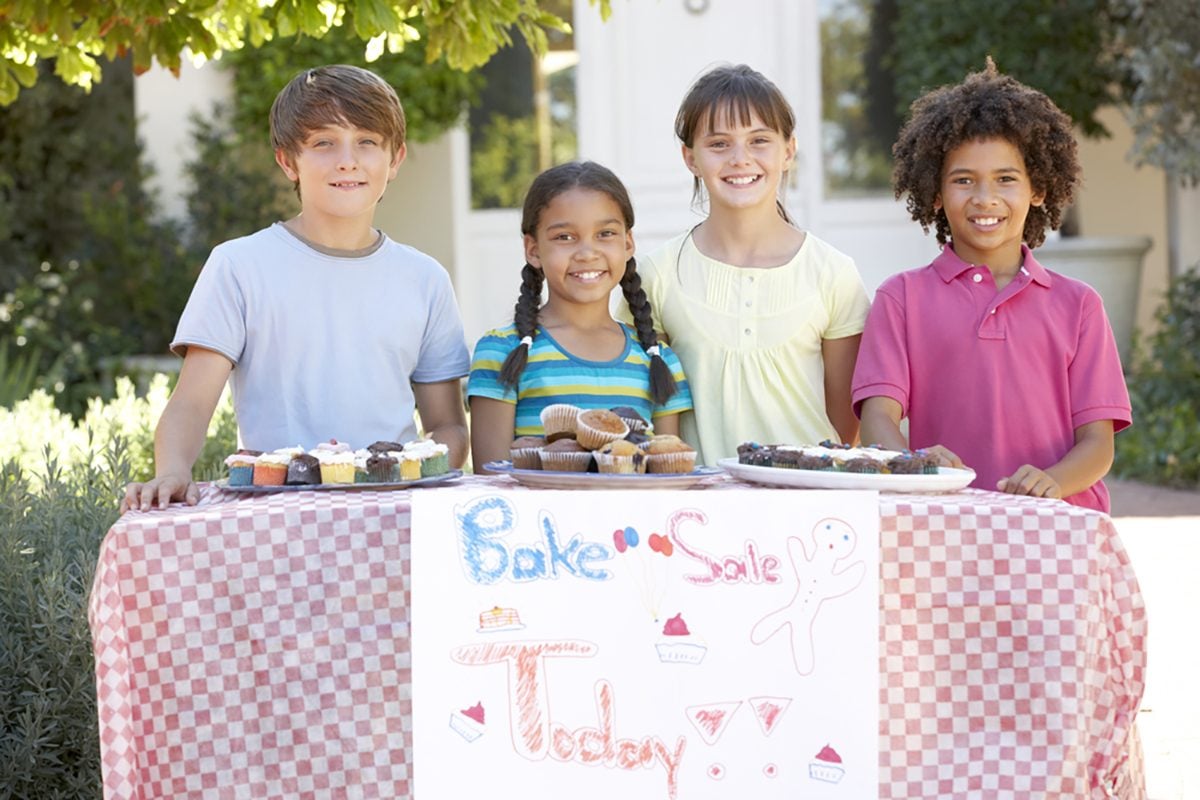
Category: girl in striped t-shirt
<point>577,225</point>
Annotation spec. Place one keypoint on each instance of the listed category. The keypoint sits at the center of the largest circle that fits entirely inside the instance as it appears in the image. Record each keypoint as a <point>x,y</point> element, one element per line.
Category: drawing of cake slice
<point>826,766</point>
<point>678,646</point>
<point>497,619</point>
<point>468,723</point>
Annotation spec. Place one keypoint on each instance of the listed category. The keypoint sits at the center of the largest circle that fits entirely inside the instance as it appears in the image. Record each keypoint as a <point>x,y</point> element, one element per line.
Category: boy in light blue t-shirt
<point>325,326</point>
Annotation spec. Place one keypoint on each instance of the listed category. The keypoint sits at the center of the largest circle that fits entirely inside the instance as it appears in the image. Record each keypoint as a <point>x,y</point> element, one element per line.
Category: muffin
<point>566,455</point>
<point>621,456</point>
<point>667,453</point>
<point>597,427</point>
<point>559,418</point>
<point>526,452</point>
<point>630,416</point>
<point>303,470</point>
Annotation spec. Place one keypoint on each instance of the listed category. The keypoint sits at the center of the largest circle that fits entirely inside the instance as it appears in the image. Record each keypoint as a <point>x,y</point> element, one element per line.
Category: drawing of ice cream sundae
<point>826,766</point>
<point>468,723</point>
<point>679,646</point>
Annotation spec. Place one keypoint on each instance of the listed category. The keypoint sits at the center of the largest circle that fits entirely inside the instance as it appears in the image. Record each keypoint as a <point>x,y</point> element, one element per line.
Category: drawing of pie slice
<point>711,719</point>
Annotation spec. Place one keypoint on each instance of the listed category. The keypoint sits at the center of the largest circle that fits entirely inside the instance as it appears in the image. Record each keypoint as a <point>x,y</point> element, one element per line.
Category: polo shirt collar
<point>949,266</point>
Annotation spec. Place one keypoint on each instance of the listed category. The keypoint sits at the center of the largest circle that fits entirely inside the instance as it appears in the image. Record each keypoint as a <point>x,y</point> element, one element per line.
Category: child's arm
<point>881,425</point>
<point>179,436</point>
<point>443,418</point>
<point>667,424</point>
<point>493,424</point>
<point>839,356</point>
<point>1084,464</point>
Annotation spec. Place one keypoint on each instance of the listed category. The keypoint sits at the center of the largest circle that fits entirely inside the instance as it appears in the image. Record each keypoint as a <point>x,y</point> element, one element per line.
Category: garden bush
<point>59,488</point>
<point>1163,444</point>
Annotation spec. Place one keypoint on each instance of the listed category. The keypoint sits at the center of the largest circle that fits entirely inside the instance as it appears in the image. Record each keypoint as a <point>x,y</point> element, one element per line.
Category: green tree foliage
<point>79,34</point>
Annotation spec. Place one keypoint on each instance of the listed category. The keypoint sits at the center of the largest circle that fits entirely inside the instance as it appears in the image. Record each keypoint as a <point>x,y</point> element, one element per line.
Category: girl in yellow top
<point>765,317</point>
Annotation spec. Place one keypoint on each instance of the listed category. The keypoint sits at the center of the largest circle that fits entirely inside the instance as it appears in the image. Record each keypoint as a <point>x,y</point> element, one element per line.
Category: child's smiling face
<point>741,164</point>
<point>986,195</point>
<point>581,246</point>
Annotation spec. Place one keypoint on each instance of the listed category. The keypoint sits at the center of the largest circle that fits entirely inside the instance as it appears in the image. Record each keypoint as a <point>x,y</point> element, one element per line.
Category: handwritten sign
<point>645,644</point>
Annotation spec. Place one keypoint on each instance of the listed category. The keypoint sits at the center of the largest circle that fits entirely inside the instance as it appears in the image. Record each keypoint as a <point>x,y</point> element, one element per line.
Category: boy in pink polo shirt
<point>996,361</point>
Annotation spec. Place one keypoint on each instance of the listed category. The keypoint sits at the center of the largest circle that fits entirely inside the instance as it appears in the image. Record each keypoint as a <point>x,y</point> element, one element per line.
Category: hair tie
<point>652,351</point>
<point>527,341</point>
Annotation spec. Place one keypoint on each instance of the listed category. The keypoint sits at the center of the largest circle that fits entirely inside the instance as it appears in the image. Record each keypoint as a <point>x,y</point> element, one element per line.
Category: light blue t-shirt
<point>553,375</point>
<point>324,346</point>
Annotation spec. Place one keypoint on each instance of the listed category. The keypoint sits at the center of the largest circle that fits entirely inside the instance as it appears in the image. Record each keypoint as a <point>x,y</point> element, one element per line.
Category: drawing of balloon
<point>631,537</point>
<point>619,541</point>
<point>647,565</point>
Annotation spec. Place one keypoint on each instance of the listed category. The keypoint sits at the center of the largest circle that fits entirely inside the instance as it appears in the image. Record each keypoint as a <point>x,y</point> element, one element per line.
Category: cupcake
<point>385,447</point>
<point>559,418</point>
<point>525,452</point>
<point>566,455</point>
<point>336,467</point>
<point>435,457</point>
<point>382,468</point>
<point>303,470</point>
<point>669,454</point>
<point>630,416</point>
<point>597,427</point>
<point>864,465</point>
<point>621,456</point>
<point>410,465</point>
<point>360,466</point>
<point>271,469</point>
<point>241,467</point>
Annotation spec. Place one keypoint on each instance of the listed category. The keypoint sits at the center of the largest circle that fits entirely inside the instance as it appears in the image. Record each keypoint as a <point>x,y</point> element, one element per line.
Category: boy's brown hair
<point>337,94</point>
<point>987,105</point>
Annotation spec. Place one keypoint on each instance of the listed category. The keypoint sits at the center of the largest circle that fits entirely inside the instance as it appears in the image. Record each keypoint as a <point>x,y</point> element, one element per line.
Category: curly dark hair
<point>987,105</point>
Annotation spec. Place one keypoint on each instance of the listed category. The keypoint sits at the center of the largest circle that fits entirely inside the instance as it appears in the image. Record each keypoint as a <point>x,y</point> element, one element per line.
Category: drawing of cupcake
<point>678,645</point>
<point>468,723</point>
<point>826,766</point>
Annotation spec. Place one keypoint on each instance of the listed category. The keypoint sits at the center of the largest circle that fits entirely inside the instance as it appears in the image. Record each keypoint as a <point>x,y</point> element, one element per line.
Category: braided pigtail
<point>662,382</point>
<point>525,316</point>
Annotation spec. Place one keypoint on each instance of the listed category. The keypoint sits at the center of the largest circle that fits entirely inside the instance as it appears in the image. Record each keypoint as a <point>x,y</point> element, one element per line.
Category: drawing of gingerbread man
<point>818,579</point>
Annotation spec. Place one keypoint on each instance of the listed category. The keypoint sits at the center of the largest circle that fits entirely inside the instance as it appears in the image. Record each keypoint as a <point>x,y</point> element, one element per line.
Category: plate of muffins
<point>600,449</point>
<point>335,465</point>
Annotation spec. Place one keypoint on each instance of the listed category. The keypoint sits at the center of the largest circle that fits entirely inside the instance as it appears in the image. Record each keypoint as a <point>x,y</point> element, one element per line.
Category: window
<point>858,116</point>
<point>525,121</point>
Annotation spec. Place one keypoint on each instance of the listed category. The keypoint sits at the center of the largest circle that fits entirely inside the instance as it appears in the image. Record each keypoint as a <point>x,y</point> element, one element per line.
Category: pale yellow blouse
<point>750,339</point>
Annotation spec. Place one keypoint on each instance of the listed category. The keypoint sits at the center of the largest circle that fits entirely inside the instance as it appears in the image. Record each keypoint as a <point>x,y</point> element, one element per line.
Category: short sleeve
<point>1095,377</point>
<point>847,300</point>
<point>490,352</point>
<point>882,369</point>
<point>443,344</point>
<point>215,315</point>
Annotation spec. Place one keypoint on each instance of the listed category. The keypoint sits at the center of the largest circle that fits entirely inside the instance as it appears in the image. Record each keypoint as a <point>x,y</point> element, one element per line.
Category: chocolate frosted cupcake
<point>303,470</point>
<point>864,465</point>
<point>821,463</point>
<point>566,455</point>
<point>597,427</point>
<point>382,468</point>
<point>526,452</point>
<point>385,447</point>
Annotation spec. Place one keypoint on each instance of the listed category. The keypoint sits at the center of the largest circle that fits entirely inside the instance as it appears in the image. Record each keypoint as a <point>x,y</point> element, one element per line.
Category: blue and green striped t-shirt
<point>552,375</point>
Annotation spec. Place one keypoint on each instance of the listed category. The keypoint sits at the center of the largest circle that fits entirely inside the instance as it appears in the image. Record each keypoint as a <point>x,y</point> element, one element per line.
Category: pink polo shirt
<point>1001,378</point>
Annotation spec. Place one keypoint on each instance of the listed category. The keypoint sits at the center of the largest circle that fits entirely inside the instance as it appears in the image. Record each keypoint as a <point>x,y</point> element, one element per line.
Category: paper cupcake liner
<point>627,465</point>
<point>671,462</point>
<point>241,476</point>
<point>526,457</point>
<point>437,464</point>
<point>269,474</point>
<point>559,418</point>
<point>337,473</point>
<point>594,439</point>
<point>565,462</point>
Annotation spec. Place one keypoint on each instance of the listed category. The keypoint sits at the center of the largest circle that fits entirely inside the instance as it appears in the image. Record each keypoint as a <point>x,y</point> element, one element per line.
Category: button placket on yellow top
<point>746,309</point>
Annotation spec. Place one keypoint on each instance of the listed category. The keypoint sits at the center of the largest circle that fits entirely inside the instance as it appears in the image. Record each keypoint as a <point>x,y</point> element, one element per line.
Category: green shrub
<point>1163,444</point>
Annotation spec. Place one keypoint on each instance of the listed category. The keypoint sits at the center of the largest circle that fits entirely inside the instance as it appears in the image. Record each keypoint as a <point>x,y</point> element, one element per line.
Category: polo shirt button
<point>993,311</point>
<point>747,331</point>
<point>977,277</point>
<point>749,303</point>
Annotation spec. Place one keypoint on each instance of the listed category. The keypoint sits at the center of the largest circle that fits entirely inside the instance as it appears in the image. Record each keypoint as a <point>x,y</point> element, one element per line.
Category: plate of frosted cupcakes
<point>831,465</point>
<point>335,465</point>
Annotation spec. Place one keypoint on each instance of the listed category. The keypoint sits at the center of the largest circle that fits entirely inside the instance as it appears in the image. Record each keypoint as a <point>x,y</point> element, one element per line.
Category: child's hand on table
<point>161,491</point>
<point>1029,480</point>
<point>945,457</point>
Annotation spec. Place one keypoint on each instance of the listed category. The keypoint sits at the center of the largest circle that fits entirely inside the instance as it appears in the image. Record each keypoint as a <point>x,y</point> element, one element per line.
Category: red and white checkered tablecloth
<point>258,647</point>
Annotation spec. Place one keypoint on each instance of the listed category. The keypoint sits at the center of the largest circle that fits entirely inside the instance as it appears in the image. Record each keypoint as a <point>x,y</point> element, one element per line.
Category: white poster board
<point>665,644</point>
